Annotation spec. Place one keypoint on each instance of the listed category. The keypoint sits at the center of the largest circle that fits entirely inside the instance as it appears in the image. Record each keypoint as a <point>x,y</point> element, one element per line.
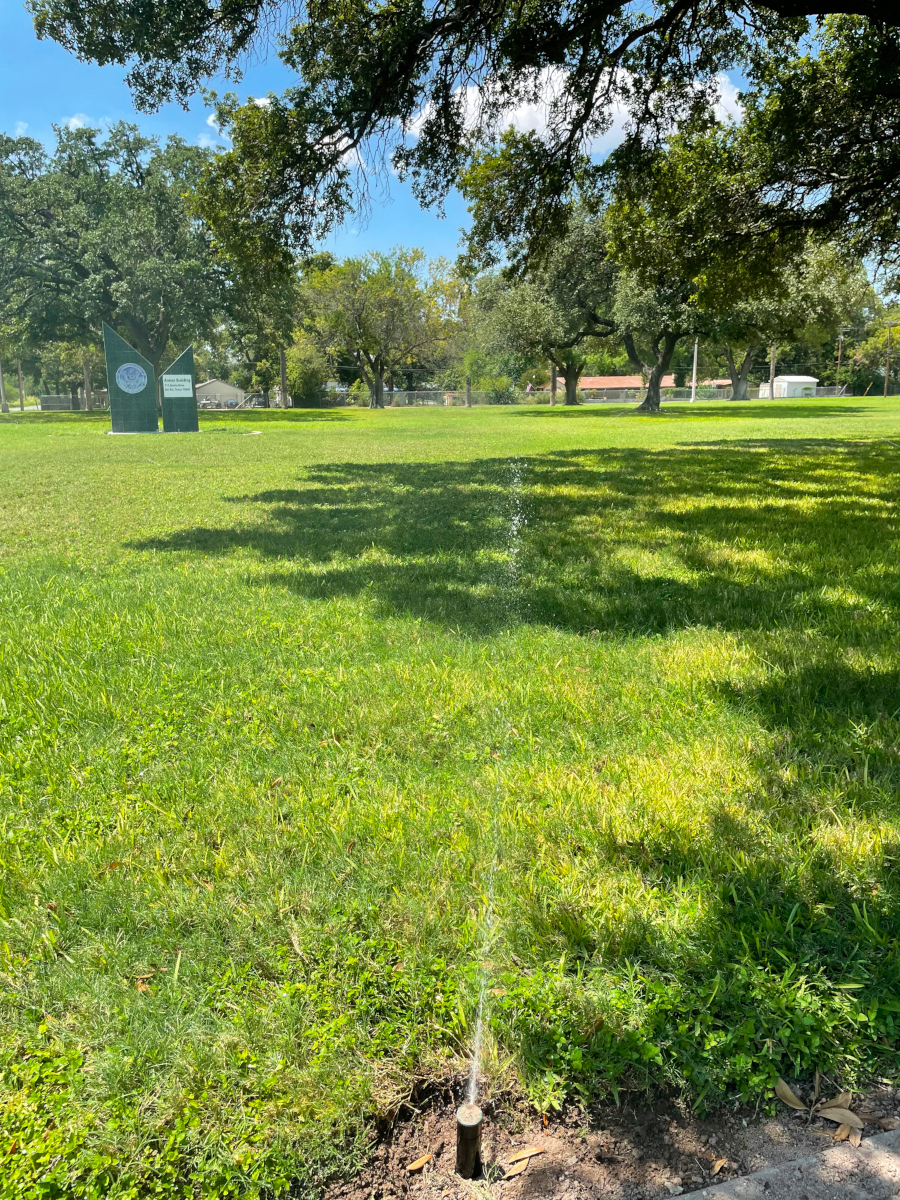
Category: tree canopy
<point>436,81</point>
<point>99,230</point>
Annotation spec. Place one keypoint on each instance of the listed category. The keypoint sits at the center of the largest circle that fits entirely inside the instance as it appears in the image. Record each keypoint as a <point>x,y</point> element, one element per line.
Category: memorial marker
<point>179,399</point>
<point>132,386</point>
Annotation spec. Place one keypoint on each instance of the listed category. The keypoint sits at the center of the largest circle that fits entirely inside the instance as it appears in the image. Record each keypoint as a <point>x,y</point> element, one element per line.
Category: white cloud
<point>212,122</point>
<point>21,128</point>
<point>79,121</point>
<point>729,107</point>
<point>262,101</point>
<point>534,116</point>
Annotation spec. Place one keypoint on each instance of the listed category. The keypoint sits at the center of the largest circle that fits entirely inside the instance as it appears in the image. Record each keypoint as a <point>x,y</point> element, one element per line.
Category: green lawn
<point>302,732</point>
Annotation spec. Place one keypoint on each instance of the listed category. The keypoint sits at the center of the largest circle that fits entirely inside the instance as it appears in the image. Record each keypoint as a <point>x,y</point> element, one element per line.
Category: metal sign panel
<point>132,386</point>
<point>179,399</point>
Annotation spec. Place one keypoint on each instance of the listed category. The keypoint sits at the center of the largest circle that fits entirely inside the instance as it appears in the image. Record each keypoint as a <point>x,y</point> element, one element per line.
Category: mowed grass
<point>284,715</point>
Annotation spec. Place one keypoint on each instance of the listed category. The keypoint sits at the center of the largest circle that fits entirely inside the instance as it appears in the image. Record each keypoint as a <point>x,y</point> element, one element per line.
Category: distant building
<point>216,393</point>
<point>790,385</point>
<point>594,383</point>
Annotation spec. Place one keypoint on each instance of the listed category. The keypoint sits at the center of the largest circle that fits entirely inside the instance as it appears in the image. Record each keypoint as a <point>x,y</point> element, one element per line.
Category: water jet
<point>468,1140</point>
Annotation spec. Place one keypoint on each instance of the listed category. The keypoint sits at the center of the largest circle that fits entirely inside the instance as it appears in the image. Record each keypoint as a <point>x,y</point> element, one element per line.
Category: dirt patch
<point>631,1152</point>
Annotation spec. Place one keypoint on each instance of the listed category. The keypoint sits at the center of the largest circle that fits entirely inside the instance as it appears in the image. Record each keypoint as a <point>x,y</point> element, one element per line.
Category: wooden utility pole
<point>772,353</point>
<point>21,385</point>
<point>553,378</point>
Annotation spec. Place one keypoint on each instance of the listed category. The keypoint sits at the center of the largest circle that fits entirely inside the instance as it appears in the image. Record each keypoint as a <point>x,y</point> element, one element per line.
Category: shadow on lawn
<point>703,411</point>
<point>793,539</point>
<point>734,535</point>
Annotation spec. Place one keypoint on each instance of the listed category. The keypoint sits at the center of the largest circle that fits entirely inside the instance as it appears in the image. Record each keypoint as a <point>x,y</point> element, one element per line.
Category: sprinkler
<point>468,1140</point>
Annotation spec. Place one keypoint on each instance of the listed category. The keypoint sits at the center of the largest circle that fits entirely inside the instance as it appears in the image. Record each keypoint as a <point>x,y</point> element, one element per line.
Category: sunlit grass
<point>270,705</point>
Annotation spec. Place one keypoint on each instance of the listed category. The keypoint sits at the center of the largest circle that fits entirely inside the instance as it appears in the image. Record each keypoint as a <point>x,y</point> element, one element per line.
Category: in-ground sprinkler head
<point>468,1140</point>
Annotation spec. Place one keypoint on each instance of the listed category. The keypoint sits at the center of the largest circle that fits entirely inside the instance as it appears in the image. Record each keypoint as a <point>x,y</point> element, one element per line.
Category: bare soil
<point>631,1152</point>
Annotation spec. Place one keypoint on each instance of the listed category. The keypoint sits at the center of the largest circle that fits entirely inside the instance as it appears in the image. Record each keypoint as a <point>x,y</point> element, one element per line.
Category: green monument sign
<point>179,400</point>
<point>132,386</point>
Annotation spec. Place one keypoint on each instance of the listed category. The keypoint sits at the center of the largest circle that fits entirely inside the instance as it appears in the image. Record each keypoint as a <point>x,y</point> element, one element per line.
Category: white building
<point>216,393</point>
<point>790,385</point>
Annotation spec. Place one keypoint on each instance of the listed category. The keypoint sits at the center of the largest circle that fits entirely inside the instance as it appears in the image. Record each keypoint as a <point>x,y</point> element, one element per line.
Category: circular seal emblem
<point>131,378</point>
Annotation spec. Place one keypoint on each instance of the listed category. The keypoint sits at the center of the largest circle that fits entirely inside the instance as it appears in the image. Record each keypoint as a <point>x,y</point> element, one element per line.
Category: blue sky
<point>42,85</point>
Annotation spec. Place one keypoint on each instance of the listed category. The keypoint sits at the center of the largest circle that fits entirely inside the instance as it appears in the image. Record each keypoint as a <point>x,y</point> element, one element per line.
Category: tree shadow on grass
<point>791,543</point>
<point>704,410</point>
<point>734,535</point>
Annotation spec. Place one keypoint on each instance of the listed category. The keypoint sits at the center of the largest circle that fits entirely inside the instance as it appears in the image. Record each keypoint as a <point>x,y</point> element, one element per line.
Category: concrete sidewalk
<point>839,1173</point>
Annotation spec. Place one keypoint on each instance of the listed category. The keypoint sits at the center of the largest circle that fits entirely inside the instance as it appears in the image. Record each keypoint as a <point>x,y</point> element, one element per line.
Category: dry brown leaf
<point>842,1116</point>
<point>790,1098</point>
<point>274,784</point>
<point>717,1166</point>
<point>112,866</point>
<point>889,1123</point>
<point>141,985</point>
<point>528,1152</point>
<point>206,884</point>
<point>545,1120</point>
<point>841,1133</point>
<point>517,1169</point>
<point>844,1100</point>
<point>420,1162</point>
<point>855,1138</point>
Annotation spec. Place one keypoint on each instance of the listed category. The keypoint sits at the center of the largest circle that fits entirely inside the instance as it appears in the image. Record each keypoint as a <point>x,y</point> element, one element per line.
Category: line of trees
<point>662,247</point>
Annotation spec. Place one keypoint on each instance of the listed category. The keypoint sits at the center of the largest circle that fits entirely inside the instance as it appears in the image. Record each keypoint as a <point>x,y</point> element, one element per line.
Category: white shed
<point>790,385</point>
<point>216,393</point>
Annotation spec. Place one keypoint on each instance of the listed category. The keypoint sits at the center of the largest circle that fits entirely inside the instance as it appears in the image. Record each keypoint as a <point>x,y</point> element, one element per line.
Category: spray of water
<point>508,597</point>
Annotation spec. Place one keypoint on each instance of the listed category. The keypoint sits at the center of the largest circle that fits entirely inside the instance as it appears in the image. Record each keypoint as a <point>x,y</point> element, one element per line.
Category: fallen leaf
<point>206,883</point>
<point>112,866</point>
<point>52,905</point>
<point>718,1165</point>
<point>420,1162</point>
<point>855,1138</point>
<point>783,1092</point>
<point>844,1100</point>
<point>141,986</point>
<point>517,1169</point>
<point>841,1133</point>
<point>889,1123</point>
<point>274,784</point>
<point>842,1116</point>
<point>528,1152</point>
<point>545,1120</point>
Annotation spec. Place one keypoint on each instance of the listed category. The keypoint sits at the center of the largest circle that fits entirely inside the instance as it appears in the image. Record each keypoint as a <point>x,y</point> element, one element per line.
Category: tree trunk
<point>553,383</point>
<point>265,393</point>
<point>468,391</point>
<point>571,375</point>
<point>772,356</point>
<point>285,398</point>
<point>21,385</point>
<point>4,407</point>
<point>739,374</point>
<point>376,387</point>
<point>663,347</point>
<point>88,395</point>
